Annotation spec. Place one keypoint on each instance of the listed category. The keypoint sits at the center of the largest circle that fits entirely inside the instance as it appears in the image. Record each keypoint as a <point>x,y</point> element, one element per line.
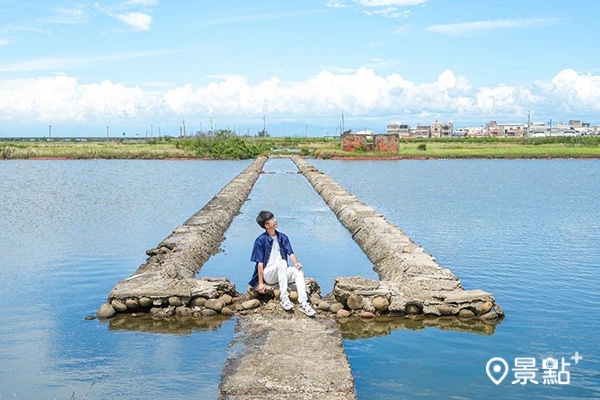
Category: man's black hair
<point>263,217</point>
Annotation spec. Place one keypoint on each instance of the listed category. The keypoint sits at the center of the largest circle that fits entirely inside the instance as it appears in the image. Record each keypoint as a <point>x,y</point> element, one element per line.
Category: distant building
<point>423,131</point>
<point>439,129</point>
<point>398,128</point>
<point>461,132</point>
<point>506,129</point>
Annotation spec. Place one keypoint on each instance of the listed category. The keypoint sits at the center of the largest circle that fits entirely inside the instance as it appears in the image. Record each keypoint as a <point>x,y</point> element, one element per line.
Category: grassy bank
<point>225,145</point>
<point>555,147</point>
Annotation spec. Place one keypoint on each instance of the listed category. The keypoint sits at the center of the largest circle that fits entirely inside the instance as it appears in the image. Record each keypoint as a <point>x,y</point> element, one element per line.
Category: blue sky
<point>138,66</point>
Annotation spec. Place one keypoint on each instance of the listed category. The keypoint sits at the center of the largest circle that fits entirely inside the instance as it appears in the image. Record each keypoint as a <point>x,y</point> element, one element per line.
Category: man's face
<point>271,223</point>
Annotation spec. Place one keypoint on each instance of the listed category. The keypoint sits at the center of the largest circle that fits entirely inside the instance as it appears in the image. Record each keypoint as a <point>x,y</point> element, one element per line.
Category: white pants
<point>282,274</point>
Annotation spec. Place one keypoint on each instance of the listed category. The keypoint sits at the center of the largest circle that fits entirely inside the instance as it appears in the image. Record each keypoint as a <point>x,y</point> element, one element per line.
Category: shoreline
<point>335,158</point>
<point>238,148</point>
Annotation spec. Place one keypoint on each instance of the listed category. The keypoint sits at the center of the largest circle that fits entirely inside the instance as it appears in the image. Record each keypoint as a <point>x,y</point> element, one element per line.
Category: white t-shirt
<point>275,256</point>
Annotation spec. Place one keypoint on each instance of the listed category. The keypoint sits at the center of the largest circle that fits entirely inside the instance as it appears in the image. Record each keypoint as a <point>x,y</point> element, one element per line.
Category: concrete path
<point>289,357</point>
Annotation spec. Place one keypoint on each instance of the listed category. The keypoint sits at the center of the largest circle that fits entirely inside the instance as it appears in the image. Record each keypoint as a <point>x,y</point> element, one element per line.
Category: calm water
<point>527,231</point>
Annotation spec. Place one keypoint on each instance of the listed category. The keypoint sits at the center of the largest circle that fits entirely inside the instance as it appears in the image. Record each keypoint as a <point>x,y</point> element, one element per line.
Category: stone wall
<point>166,281</point>
<point>410,280</point>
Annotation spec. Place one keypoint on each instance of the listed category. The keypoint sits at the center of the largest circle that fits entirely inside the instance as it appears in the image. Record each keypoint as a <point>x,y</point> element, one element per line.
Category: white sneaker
<point>286,304</point>
<point>307,309</point>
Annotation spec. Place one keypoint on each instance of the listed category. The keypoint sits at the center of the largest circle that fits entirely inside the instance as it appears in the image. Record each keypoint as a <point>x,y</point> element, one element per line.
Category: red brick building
<point>383,142</point>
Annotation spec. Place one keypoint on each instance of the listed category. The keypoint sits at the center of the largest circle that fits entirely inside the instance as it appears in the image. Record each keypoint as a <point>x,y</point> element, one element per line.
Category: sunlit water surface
<point>526,231</point>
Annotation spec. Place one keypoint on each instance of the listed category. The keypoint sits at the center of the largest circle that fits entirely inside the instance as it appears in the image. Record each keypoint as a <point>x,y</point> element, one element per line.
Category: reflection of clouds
<point>71,229</point>
<point>320,241</point>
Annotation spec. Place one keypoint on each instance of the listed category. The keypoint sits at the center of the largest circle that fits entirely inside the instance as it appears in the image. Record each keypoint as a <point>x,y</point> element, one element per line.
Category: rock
<point>445,309</point>
<point>413,309</point>
<point>118,305</point>
<point>168,312</point>
<point>214,304</point>
<point>486,307</point>
<point>294,296</point>
<point>368,305</point>
<point>90,317</point>
<point>354,302</point>
<point>366,314</point>
<point>106,311</point>
<point>489,315</point>
<point>315,299</point>
<point>466,313</point>
<point>226,299</point>
<point>145,302</point>
<point>277,294</point>
<point>183,311</point>
<point>250,304</point>
<point>335,307</point>
<point>175,301</point>
<point>207,312</point>
<point>380,303</point>
<point>342,313</point>
<point>227,311</point>
<point>132,304</point>
<point>323,306</point>
<point>198,302</point>
<point>252,292</point>
<point>157,302</point>
<point>156,310</point>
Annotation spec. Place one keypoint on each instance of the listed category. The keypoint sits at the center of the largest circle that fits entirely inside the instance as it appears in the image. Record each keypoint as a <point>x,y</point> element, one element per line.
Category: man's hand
<point>298,266</point>
<point>261,288</point>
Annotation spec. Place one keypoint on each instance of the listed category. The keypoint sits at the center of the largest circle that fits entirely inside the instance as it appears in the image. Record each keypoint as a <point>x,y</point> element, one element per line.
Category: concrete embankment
<point>167,279</point>
<point>276,354</point>
<point>411,281</point>
<point>286,358</point>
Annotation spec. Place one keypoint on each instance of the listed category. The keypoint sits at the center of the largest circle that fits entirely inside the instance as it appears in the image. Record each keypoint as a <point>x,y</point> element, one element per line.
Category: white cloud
<point>137,20</point>
<point>578,90</point>
<point>3,42</point>
<point>360,94</point>
<point>385,3</point>
<point>475,26</point>
<point>388,8</point>
<point>55,64</point>
<point>336,4</point>
<point>63,99</point>
<point>388,12</point>
<point>66,16</point>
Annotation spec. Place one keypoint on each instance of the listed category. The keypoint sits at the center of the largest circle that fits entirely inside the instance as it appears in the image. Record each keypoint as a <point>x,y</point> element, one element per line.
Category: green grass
<point>226,145</point>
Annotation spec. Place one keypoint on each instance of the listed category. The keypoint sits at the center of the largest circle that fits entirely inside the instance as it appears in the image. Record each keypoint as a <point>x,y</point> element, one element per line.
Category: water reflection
<point>353,328</point>
<point>170,325</point>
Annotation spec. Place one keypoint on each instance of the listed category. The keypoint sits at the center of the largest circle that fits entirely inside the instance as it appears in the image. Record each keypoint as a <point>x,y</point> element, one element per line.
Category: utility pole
<point>264,125</point>
<point>528,122</point>
<point>342,123</point>
<point>106,133</point>
<point>49,131</point>
<point>184,128</point>
<point>211,125</point>
<point>151,131</point>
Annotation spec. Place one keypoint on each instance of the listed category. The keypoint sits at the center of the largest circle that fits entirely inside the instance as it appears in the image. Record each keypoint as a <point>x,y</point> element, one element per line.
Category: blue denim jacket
<point>262,251</point>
